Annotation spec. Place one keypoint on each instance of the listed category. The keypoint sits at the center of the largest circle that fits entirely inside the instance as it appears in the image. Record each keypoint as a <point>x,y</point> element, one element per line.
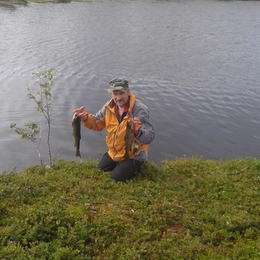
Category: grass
<point>186,209</point>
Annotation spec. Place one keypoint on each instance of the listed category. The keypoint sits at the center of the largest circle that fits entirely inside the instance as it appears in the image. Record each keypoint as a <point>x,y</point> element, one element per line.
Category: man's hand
<point>137,125</point>
<point>83,115</point>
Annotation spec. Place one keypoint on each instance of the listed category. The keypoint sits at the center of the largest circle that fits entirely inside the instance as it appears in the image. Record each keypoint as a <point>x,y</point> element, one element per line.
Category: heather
<point>188,208</point>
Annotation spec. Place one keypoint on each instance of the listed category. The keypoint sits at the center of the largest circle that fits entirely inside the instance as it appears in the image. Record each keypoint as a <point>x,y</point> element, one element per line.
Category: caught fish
<point>129,136</point>
<point>76,122</point>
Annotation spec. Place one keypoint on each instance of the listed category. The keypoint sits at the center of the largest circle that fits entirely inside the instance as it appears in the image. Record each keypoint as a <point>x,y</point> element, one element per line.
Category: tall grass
<point>186,209</point>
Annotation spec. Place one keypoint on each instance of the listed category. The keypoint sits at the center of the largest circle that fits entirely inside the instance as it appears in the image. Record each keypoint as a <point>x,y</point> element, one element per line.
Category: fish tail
<point>126,156</point>
<point>78,154</point>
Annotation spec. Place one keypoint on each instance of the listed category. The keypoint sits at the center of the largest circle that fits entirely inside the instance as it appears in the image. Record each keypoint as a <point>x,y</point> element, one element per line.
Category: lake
<point>195,64</point>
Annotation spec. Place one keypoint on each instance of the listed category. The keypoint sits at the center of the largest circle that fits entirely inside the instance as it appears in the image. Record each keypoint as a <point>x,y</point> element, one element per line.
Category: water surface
<point>194,63</point>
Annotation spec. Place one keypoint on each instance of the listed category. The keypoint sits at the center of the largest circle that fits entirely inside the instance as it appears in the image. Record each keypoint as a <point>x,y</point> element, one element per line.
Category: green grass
<point>185,209</point>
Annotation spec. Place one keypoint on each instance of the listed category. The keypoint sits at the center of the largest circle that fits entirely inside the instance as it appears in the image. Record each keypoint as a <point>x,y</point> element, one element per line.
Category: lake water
<point>194,63</point>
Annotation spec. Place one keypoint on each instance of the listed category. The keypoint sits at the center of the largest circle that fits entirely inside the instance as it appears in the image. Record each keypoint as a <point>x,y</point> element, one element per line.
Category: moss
<point>186,209</point>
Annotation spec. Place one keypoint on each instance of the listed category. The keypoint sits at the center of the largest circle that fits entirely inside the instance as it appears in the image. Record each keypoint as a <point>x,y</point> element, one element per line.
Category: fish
<point>76,123</point>
<point>129,136</point>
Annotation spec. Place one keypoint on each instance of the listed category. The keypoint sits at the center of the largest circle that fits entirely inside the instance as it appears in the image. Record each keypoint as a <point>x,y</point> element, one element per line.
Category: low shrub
<point>185,209</point>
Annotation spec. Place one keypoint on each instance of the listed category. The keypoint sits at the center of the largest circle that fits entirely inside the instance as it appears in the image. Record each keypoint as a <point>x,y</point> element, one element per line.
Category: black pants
<point>120,171</point>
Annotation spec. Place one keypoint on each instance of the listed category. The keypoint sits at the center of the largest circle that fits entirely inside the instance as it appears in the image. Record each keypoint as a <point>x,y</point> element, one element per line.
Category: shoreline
<point>25,2</point>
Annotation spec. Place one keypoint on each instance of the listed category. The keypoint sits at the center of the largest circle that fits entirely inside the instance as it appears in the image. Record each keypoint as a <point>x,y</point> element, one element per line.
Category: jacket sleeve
<point>146,133</point>
<point>97,121</point>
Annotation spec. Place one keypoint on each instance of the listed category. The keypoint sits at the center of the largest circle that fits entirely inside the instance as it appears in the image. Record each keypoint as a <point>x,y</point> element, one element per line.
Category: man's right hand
<point>83,115</point>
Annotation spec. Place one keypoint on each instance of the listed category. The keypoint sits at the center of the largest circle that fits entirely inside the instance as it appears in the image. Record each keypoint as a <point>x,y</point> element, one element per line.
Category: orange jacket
<point>115,139</point>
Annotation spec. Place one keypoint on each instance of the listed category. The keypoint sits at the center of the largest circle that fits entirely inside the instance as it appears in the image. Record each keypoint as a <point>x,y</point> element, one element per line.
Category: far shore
<point>25,2</point>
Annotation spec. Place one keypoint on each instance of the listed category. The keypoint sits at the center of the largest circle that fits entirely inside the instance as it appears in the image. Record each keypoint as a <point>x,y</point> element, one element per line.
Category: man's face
<point>120,97</point>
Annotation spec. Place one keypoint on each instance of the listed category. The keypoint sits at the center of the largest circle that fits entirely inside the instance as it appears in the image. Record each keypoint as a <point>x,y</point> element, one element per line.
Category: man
<point>115,116</point>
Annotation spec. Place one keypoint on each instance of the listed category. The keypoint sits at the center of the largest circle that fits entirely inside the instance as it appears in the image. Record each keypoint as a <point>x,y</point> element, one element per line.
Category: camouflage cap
<point>118,84</point>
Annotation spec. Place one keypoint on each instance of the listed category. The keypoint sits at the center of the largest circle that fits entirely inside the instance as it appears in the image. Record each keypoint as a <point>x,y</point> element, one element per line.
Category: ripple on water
<point>196,70</point>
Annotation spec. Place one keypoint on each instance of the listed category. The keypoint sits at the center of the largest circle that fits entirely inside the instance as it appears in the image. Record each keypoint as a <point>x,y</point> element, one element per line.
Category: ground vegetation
<point>187,208</point>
